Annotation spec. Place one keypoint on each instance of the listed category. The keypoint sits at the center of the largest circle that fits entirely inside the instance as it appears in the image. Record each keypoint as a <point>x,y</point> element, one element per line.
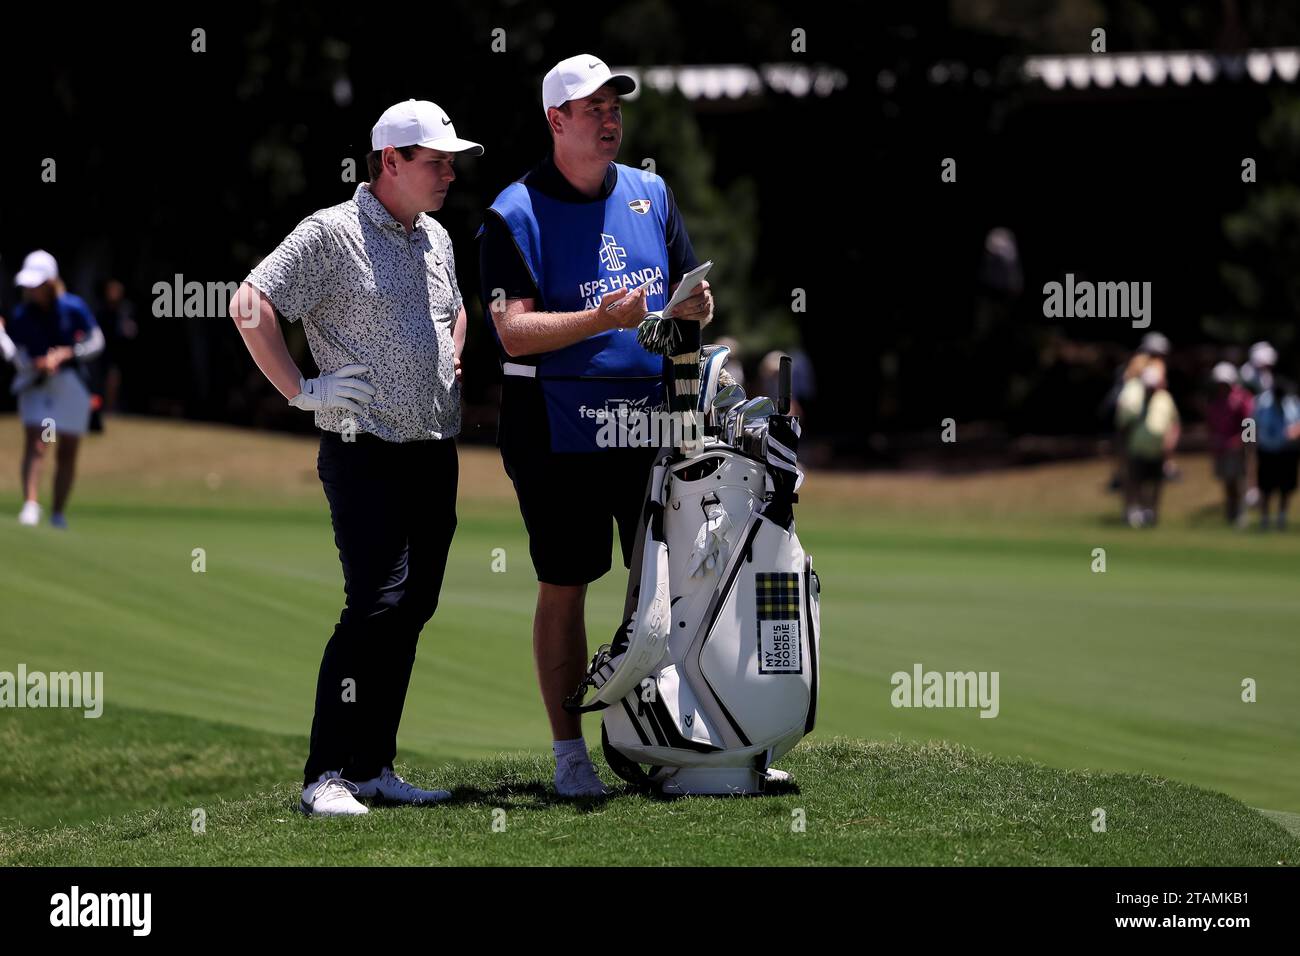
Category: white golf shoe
<point>388,787</point>
<point>576,777</point>
<point>331,796</point>
<point>30,515</point>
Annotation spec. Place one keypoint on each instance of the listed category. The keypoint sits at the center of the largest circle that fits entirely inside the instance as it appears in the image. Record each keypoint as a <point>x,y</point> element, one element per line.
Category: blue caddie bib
<point>576,253</point>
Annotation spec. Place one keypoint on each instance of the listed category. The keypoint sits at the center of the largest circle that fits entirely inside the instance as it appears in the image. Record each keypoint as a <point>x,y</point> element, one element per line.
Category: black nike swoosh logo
<point>446,122</point>
<point>592,66</point>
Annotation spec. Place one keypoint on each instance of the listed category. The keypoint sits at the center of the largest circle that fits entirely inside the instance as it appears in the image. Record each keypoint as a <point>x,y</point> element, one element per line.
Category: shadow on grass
<point>508,795</point>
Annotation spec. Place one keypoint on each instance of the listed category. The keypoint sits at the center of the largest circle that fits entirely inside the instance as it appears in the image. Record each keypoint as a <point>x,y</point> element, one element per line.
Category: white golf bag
<point>713,674</point>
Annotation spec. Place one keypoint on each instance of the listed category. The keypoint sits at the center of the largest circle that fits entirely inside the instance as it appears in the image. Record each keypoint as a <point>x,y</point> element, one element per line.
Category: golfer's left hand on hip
<point>698,306</point>
<point>340,389</point>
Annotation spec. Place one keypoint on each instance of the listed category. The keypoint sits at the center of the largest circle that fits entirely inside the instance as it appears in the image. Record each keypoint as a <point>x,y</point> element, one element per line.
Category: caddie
<point>572,256</point>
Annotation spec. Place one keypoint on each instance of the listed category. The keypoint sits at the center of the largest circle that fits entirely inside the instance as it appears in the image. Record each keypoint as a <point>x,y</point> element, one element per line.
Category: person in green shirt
<point>1147,418</point>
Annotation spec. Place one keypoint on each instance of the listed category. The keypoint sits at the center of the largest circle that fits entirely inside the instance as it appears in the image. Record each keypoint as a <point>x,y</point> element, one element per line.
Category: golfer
<point>373,281</point>
<point>50,338</point>
<point>579,249</point>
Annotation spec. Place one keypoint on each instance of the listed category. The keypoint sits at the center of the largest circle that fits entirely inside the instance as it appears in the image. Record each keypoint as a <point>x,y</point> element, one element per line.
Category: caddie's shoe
<point>30,515</point>
<point>58,521</point>
<point>777,776</point>
<point>576,777</point>
<point>388,787</point>
<point>331,796</point>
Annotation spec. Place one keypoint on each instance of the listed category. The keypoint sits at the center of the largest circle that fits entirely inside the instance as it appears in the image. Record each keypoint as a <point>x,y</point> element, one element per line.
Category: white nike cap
<point>580,76</point>
<point>38,268</point>
<point>420,123</point>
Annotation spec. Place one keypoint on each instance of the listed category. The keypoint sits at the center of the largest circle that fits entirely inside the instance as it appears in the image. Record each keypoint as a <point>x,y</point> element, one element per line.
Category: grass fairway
<point>854,803</point>
<point>1138,670</point>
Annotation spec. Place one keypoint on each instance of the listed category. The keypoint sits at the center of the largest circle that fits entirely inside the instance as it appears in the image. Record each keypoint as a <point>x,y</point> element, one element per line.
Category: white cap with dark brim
<point>420,123</point>
<point>580,76</point>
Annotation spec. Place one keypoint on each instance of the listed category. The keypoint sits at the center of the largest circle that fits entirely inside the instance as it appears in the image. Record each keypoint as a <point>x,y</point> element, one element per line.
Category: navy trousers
<point>393,506</point>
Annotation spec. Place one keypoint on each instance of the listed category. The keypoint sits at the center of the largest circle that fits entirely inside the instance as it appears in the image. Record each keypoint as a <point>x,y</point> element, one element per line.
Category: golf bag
<point>713,674</point>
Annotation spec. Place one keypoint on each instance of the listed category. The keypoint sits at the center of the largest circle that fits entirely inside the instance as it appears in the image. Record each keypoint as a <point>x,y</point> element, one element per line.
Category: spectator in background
<point>1228,407</point>
<point>803,380</point>
<point>1257,377</point>
<point>1277,417</point>
<point>1148,419</point>
<point>53,335</point>
<point>1154,345</point>
<point>803,386</point>
<point>116,318</point>
<point>769,377</point>
<point>1257,373</point>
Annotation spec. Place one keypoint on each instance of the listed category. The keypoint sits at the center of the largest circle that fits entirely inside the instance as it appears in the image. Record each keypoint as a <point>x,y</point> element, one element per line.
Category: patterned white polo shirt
<point>369,293</point>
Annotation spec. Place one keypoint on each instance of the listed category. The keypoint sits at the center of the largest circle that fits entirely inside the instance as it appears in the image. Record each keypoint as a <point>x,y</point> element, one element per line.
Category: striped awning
<point>1176,68</point>
<point>734,81</point>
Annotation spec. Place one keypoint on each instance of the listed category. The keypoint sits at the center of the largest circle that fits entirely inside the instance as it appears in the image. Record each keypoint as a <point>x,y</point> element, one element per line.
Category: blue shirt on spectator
<point>1275,413</point>
<point>37,331</point>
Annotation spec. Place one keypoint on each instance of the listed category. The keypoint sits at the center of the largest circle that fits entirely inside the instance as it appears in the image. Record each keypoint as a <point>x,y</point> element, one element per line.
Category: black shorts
<point>1277,471</point>
<point>570,503</point>
<point>1146,469</point>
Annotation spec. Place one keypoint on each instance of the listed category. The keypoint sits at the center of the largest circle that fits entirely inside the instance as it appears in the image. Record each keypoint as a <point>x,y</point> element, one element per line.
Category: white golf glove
<point>341,389</point>
<point>24,374</point>
<point>709,556</point>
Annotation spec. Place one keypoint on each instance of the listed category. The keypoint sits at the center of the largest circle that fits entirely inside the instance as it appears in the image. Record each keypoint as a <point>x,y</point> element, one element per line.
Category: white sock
<point>563,747</point>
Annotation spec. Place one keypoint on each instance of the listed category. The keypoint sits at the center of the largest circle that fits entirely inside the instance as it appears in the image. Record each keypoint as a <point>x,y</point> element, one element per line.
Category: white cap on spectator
<point>1153,343</point>
<point>1225,373</point>
<point>38,268</point>
<point>420,123</point>
<point>580,76</point>
<point>1263,355</point>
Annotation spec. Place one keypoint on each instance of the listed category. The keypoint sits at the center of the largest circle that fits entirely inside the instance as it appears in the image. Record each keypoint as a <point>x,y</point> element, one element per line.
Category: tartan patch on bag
<point>776,600</point>
<point>776,596</point>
